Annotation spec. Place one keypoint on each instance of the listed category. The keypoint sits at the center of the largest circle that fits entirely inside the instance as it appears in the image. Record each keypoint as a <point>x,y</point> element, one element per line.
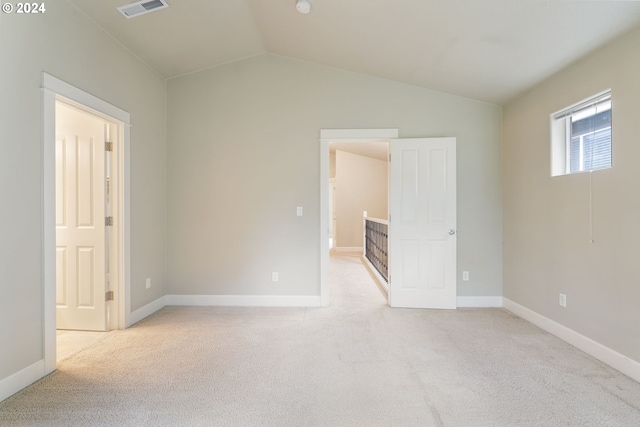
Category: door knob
<point>452,232</point>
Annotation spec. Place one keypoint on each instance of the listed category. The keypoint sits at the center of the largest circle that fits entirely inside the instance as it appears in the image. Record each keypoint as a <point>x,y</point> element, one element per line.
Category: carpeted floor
<point>356,363</point>
<point>69,343</point>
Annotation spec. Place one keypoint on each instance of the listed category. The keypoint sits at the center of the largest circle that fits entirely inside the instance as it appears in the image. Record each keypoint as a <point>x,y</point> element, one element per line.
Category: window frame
<point>561,133</point>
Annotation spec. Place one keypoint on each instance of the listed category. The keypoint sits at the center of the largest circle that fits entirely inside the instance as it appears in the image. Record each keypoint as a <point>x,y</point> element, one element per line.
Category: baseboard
<point>245,300</point>
<point>147,310</point>
<point>348,249</point>
<point>375,274</point>
<point>466,302</point>
<point>16,382</point>
<point>606,355</point>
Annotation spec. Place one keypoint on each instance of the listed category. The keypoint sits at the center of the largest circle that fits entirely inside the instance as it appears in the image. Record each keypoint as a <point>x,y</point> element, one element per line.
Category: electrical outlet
<point>299,211</point>
<point>274,276</point>
<point>465,276</point>
<point>148,282</point>
<point>563,300</point>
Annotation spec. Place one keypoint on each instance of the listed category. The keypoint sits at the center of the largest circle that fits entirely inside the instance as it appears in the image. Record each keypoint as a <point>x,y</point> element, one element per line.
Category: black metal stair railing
<point>376,238</point>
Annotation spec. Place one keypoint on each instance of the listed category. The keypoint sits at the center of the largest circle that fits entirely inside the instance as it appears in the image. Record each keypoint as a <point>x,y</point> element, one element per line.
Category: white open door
<point>422,208</point>
<point>80,220</point>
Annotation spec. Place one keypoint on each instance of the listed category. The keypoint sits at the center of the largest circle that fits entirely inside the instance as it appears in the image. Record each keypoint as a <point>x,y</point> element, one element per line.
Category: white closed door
<point>422,229</point>
<point>80,220</point>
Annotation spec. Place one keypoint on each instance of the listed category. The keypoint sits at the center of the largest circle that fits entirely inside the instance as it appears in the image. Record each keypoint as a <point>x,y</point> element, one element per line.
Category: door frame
<point>54,90</point>
<point>338,135</point>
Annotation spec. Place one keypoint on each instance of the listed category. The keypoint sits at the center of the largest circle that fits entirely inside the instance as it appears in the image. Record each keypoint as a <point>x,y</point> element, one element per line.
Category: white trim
<point>378,220</point>
<point>358,134</point>
<point>84,99</point>
<point>375,274</point>
<point>244,300</point>
<point>148,309</point>
<point>52,90</point>
<point>48,231</point>
<point>606,355</point>
<point>124,239</point>
<point>325,223</point>
<point>343,249</point>
<point>21,379</point>
<point>337,135</point>
<point>478,301</point>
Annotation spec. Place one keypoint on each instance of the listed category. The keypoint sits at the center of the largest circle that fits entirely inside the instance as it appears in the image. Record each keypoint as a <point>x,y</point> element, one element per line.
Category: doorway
<point>326,137</point>
<point>84,174</point>
<point>110,124</point>
<point>84,145</point>
<point>359,199</point>
<point>422,217</point>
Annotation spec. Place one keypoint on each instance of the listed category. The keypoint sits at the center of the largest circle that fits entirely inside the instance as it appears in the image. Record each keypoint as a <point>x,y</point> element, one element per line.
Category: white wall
<point>362,184</point>
<point>243,152</point>
<point>546,226</point>
<point>63,43</point>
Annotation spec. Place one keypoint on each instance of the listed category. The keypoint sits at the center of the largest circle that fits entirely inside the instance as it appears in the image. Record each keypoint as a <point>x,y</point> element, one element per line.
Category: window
<point>581,136</point>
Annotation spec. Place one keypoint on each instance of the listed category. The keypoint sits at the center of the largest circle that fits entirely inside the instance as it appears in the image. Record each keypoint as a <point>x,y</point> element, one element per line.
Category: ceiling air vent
<point>142,7</point>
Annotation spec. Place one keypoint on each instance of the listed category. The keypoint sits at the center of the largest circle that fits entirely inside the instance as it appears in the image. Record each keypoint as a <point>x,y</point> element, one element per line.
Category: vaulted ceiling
<point>490,50</point>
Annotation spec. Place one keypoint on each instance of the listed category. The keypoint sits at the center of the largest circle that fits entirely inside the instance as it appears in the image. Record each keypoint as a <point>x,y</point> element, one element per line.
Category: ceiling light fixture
<point>303,6</point>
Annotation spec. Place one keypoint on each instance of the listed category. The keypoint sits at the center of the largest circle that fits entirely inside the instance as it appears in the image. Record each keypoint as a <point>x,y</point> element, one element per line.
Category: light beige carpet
<point>356,363</point>
<point>69,343</point>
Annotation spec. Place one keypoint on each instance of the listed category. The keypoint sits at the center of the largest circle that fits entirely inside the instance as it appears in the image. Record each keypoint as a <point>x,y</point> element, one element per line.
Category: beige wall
<point>63,43</point>
<point>546,220</point>
<point>243,152</point>
<point>332,165</point>
<point>361,185</point>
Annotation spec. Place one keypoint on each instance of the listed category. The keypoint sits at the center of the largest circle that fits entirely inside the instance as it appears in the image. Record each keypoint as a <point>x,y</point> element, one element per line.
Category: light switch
<point>299,210</point>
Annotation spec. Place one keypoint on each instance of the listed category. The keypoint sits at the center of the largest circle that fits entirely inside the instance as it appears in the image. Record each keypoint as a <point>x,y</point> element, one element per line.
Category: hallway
<point>351,284</point>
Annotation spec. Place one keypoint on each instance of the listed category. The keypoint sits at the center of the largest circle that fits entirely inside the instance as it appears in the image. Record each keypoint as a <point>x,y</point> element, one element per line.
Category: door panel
<point>422,252</point>
<point>409,185</point>
<point>80,223</point>
<point>409,277</point>
<point>85,187</point>
<point>85,282</point>
<point>61,276</point>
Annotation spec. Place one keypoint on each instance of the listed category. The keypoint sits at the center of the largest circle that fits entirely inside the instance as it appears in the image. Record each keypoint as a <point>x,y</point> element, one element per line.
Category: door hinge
<point>108,221</point>
<point>108,296</point>
<point>108,146</point>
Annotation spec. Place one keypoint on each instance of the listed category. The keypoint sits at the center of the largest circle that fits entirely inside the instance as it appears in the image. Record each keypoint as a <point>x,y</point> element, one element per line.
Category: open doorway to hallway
<point>115,130</point>
<point>422,201</point>
<point>359,205</point>
<point>327,229</point>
